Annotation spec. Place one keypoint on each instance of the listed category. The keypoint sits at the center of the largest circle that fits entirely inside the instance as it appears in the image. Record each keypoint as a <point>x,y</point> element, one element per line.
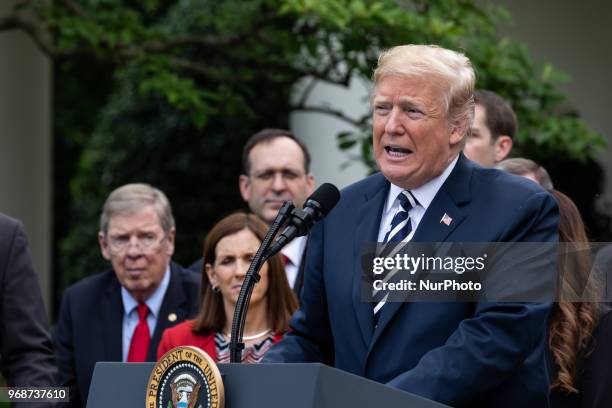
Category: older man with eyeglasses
<point>120,314</point>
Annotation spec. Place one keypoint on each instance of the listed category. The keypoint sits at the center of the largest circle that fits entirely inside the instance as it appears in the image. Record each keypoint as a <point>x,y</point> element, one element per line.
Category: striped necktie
<point>400,229</point>
<point>401,226</point>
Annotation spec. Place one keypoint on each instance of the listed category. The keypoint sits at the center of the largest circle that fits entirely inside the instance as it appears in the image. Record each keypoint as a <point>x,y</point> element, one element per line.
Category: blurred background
<point>98,93</point>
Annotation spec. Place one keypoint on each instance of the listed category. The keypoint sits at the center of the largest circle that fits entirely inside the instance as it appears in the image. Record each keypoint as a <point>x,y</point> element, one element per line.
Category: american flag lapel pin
<point>446,220</point>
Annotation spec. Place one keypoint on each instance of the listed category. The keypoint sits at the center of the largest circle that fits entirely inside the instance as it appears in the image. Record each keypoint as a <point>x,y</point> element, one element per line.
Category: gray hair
<point>452,69</point>
<point>134,197</point>
<point>520,166</point>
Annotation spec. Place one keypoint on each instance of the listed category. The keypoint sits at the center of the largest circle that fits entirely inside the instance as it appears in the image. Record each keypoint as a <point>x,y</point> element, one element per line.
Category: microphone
<point>317,206</point>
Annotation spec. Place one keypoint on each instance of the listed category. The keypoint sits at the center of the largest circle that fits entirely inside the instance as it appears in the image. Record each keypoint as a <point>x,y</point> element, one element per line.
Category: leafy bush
<point>167,92</point>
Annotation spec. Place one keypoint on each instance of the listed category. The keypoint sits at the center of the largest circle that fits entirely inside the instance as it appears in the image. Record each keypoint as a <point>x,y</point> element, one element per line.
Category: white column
<point>25,143</point>
<point>318,132</point>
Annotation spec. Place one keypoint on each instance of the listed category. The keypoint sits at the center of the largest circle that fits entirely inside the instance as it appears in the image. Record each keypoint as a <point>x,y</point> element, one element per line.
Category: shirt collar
<point>294,250</point>
<point>425,193</point>
<point>153,302</point>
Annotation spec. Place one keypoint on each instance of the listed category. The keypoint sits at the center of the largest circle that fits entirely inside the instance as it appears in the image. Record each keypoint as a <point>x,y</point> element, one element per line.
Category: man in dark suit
<point>488,354</point>
<point>120,314</point>
<point>276,168</point>
<point>26,353</point>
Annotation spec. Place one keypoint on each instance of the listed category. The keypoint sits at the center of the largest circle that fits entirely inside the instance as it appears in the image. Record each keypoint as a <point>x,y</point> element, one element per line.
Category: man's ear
<point>310,183</point>
<point>170,243</point>
<point>244,184</point>
<point>503,145</point>
<point>458,133</point>
<point>104,246</point>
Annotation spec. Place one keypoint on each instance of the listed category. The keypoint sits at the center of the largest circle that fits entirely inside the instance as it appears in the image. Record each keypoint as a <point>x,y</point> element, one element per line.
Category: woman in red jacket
<point>228,250</point>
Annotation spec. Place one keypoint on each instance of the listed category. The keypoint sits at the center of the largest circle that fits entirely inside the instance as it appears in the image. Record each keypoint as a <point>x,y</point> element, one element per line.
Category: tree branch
<point>358,123</point>
<point>307,92</point>
<point>196,68</point>
<point>40,38</point>
<point>75,8</point>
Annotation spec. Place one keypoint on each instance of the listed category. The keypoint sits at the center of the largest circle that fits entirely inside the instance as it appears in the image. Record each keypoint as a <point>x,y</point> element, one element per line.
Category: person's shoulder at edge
<point>360,189</point>
<point>366,183</point>
<point>8,221</point>
<point>179,335</point>
<point>180,331</point>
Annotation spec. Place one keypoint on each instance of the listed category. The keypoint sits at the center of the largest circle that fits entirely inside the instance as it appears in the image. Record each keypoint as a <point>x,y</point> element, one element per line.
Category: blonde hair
<point>450,68</point>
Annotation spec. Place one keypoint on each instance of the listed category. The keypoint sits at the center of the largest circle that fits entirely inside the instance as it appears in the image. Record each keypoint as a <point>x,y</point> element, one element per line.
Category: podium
<point>120,385</point>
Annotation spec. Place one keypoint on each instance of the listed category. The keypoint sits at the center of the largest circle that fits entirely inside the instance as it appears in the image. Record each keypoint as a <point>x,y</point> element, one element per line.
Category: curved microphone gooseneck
<point>251,278</point>
<point>299,221</point>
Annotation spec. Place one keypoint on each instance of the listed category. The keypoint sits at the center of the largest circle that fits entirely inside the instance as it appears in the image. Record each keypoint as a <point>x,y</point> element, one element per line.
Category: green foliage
<point>174,88</point>
<point>502,65</point>
<point>331,40</point>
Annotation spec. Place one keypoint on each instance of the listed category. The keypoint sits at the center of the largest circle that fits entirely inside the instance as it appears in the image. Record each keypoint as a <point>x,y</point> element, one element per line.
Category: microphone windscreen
<point>327,195</point>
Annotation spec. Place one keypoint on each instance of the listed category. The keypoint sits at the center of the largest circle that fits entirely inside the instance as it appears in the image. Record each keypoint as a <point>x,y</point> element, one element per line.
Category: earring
<point>216,289</point>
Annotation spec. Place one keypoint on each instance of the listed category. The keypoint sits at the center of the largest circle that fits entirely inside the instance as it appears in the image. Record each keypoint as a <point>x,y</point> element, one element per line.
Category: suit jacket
<point>26,351</point>
<point>90,322</point>
<point>182,335</point>
<point>462,354</point>
<point>299,279</point>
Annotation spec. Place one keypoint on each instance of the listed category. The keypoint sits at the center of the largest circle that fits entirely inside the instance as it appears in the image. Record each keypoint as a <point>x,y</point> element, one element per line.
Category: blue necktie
<point>401,227</point>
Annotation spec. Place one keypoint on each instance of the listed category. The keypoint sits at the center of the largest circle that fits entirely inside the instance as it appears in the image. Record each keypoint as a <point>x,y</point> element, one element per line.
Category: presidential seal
<point>185,377</point>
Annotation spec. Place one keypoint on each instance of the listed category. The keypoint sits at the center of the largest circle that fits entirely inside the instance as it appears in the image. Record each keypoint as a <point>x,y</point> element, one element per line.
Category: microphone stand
<point>251,278</point>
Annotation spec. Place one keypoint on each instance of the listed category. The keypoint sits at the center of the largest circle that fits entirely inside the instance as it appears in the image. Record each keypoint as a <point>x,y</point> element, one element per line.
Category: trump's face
<point>412,137</point>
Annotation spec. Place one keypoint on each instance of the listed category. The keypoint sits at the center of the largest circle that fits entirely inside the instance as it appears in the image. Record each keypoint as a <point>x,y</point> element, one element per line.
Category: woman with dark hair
<point>228,250</point>
<point>580,333</point>
<point>579,353</point>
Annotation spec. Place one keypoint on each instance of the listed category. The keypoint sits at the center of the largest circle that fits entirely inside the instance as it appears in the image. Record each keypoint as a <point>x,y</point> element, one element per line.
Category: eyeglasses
<point>119,245</point>
<point>269,175</point>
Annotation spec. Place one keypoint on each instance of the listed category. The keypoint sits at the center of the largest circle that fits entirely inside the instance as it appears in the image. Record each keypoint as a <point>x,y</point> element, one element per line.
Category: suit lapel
<point>432,227</point>
<point>454,193</point>
<point>174,309</point>
<point>299,279</point>
<point>366,232</point>
<point>111,311</point>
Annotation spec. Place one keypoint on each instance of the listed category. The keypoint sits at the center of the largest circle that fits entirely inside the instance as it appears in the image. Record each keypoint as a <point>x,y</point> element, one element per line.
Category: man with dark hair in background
<point>120,314</point>
<point>26,353</point>
<point>276,168</point>
<point>493,130</point>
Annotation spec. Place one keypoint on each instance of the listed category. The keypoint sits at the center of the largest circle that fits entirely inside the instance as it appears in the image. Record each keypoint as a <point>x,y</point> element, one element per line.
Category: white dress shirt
<point>294,251</point>
<point>424,195</point>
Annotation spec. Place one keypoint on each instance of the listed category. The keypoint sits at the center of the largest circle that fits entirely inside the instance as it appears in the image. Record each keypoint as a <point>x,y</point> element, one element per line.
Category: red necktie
<point>286,260</point>
<point>141,337</point>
